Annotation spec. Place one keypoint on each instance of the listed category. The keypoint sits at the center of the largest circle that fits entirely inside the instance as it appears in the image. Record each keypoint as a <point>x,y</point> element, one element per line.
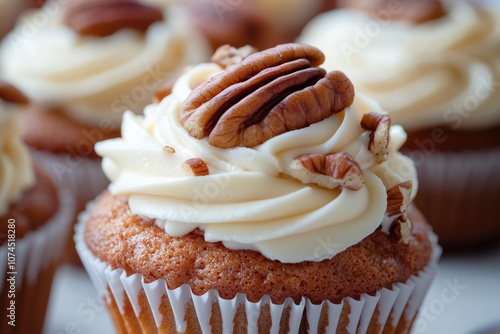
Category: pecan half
<point>267,94</point>
<point>11,94</point>
<point>227,55</point>
<point>105,17</point>
<point>328,170</point>
<point>398,198</point>
<point>195,167</point>
<point>417,11</point>
<point>380,126</point>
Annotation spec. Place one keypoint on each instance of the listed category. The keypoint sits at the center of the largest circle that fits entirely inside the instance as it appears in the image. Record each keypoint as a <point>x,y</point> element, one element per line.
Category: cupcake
<point>82,70</point>
<point>259,196</point>
<point>435,68</point>
<point>33,226</point>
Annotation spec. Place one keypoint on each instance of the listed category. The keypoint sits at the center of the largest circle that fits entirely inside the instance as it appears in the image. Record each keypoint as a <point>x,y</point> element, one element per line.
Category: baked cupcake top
<point>265,153</point>
<point>442,71</point>
<point>16,170</point>
<point>94,67</point>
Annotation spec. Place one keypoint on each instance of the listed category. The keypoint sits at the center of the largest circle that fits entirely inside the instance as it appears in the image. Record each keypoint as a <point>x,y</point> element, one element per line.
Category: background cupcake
<point>34,218</point>
<point>87,63</point>
<point>267,198</point>
<point>438,76</point>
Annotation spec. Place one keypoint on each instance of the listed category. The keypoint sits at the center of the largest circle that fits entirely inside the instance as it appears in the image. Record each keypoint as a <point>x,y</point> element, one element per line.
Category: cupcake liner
<point>83,176</point>
<point>140,307</point>
<point>37,255</point>
<point>459,194</point>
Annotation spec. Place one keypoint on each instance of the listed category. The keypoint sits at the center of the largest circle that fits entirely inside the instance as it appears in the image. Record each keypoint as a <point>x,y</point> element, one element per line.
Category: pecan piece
<point>267,94</point>
<point>227,55</point>
<point>402,228</point>
<point>195,167</point>
<point>398,198</point>
<point>328,170</point>
<point>105,17</point>
<point>9,93</point>
<point>380,126</point>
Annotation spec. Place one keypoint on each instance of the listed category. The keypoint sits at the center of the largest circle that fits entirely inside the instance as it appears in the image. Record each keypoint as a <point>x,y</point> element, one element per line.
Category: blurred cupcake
<point>266,199</point>
<point>84,67</point>
<point>435,67</point>
<point>33,228</point>
<point>259,23</point>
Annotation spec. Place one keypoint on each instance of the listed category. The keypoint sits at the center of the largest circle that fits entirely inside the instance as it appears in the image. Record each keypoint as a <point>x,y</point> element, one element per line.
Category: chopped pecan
<point>105,17</point>
<point>267,94</point>
<point>9,93</point>
<point>398,198</point>
<point>380,127</point>
<point>195,167</point>
<point>411,10</point>
<point>227,55</point>
<point>168,149</point>
<point>328,170</point>
<point>402,227</point>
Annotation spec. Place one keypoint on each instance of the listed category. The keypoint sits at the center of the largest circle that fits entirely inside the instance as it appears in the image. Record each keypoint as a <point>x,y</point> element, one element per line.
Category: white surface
<point>464,299</point>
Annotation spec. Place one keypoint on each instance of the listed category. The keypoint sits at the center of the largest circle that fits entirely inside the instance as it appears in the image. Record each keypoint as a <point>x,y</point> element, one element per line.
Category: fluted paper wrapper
<point>140,307</point>
<point>37,255</point>
<point>459,194</point>
<point>83,176</point>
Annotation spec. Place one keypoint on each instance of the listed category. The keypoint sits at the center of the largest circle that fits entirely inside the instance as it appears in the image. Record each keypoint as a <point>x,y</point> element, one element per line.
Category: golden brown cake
<point>261,193</point>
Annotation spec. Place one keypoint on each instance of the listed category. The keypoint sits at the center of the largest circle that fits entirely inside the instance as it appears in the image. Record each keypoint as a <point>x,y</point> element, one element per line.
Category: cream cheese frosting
<point>249,200</point>
<point>442,72</point>
<point>16,171</point>
<point>95,78</point>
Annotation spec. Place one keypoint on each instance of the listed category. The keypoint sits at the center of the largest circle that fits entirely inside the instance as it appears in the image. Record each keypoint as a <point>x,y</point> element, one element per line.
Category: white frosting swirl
<point>248,201</point>
<point>443,72</point>
<point>96,78</point>
<point>16,170</point>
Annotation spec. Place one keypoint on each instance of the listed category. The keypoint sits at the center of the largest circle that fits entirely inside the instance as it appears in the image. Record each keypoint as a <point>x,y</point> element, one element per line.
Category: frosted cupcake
<point>439,79</point>
<point>267,199</point>
<point>33,226</point>
<point>90,62</point>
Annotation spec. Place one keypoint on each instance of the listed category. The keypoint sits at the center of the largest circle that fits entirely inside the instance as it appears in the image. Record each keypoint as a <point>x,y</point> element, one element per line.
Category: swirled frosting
<point>442,72</point>
<point>95,78</point>
<point>248,200</point>
<point>16,172</point>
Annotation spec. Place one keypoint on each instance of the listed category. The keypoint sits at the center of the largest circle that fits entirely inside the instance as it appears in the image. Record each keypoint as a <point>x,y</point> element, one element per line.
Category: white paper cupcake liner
<point>141,303</point>
<point>40,248</point>
<point>459,193</point>
<point>83,176</point>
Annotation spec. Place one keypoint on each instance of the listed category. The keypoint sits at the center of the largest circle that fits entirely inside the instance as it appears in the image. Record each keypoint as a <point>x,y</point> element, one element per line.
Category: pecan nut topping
<point>9,93</point>
<point>105,17</point>
<point>267,94</point>
<point>195,167</point>
<point>398,198</point>
<point>328,170</point>
<point>227,55</point>
<point>380,127</point>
